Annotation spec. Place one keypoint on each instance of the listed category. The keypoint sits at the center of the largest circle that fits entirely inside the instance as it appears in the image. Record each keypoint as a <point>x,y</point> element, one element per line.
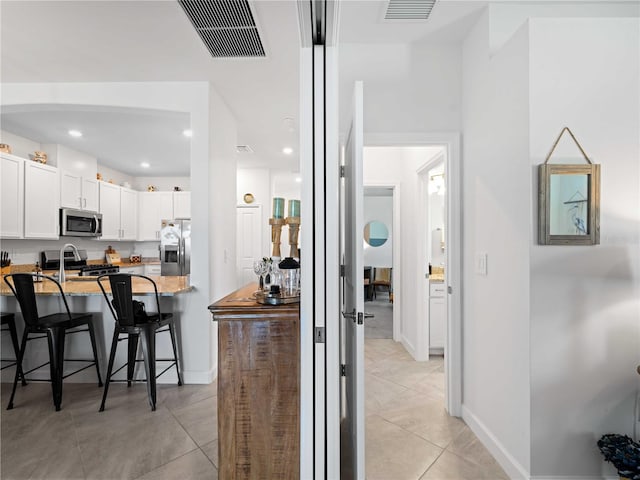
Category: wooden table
<point>258,387</point>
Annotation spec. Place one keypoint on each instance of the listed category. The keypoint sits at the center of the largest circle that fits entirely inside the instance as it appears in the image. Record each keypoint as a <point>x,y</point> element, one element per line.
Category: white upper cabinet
<point>78,192</point>
<point>41,201</point>
<point>11,196</point>
<point>128,214</point>
<point>90,194</point>
<point>153,207</point>
<point>110,210</point>
<point>70,190</point>
<point>181,204</point>
<point>118,207</point>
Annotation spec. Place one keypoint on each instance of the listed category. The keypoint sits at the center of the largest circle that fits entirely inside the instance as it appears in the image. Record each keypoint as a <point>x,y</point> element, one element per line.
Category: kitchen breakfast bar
<point>84,295</point>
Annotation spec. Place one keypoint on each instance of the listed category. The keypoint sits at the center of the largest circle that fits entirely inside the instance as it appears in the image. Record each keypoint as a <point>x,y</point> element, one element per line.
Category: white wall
<point>585,301</point>
<point>497,205</point>
<point>407,88</point>
<point>163,184</point>
<point>118,177</point>
<point>380,209</point>
<point>508,17</point>
<point>20,146</point>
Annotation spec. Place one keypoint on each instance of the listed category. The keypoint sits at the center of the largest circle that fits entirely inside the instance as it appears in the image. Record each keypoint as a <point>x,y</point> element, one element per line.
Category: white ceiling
<point>128,41</point>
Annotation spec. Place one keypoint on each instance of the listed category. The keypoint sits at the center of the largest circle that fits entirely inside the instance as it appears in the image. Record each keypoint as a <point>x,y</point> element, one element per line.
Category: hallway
<point>409,435</point>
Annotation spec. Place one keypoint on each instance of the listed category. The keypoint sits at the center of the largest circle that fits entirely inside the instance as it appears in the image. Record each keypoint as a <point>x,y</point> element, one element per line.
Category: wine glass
<point>260,268</point>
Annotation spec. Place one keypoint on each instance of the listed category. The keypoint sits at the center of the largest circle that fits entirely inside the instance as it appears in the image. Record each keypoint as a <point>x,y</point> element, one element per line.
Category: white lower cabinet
<point>137,270</point>
<point>11,196</point>
<point>437,317</point>
<point>118,207</point>
<point>152,269</point>
<point>153,207</point>
<point>41,201</point>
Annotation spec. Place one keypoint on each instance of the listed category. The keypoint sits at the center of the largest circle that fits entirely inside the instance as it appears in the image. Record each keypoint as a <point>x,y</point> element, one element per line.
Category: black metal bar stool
<point>8,324</point>
<point>54,327</point>
<point>137,324</point>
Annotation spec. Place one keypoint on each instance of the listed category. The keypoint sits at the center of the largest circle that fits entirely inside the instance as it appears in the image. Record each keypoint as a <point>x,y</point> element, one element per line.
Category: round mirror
<point>376,233</point>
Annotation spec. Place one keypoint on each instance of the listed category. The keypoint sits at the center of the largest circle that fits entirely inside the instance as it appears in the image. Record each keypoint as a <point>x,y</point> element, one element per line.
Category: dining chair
<point>132,321</point>
<point>54,328</point>
<point>8,324</point>
<point>382,278</point>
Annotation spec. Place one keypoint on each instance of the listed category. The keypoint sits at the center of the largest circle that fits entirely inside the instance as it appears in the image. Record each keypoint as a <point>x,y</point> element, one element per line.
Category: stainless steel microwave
<point>80,223</point>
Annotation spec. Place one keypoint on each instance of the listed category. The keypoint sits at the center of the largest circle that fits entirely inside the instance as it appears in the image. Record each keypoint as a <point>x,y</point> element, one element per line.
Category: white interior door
<point>249,239</point>
<point>352,422</point>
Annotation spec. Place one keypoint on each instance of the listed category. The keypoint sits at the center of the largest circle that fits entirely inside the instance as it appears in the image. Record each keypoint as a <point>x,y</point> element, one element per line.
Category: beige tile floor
<point>409,435</point>
<point>126,441</point>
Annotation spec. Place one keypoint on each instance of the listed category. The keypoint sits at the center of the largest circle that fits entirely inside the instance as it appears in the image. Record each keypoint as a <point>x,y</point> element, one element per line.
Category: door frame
<point>424,330</point>
<point>396,272</point>
<point>453,238</point>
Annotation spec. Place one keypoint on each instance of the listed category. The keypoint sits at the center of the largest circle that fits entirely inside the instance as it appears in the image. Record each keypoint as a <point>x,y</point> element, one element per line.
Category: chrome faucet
<point>76,257</point>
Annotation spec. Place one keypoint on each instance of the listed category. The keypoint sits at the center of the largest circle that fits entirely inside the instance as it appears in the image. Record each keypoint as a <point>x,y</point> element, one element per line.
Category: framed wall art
<point>568,201</point>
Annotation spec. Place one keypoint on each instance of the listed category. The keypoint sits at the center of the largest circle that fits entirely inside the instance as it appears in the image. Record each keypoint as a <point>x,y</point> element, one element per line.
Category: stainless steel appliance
<point>80,223</point>
<point>175,247</point>
<point>98,269</point>
<point>50,260</point>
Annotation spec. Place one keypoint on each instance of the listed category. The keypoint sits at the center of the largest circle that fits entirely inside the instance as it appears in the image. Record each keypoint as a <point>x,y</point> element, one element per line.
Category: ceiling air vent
<point>409,9</point>
<point>243,149</point>
<point>226,27</point>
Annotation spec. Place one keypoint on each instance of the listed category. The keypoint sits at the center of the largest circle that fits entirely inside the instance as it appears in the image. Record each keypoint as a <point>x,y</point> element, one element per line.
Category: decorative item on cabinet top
<point>39,156</point>
<point>151,188</point>
<point>5,148</point>
<point>568,201</point>
<point>248,198</point>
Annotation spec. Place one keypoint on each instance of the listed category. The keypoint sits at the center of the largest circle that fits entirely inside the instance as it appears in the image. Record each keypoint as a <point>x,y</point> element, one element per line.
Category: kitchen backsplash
<point>28,251</point>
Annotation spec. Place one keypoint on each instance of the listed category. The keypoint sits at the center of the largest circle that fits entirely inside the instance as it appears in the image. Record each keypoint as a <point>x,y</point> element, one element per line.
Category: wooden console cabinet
<point>258,388</point>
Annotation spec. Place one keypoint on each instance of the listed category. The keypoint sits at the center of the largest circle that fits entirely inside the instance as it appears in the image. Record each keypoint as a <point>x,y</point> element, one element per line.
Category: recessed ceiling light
<point>145,164</point>
<point>188,133</point>
<point>75,133</point>
<point>298,179</point>
<point>287,150</point>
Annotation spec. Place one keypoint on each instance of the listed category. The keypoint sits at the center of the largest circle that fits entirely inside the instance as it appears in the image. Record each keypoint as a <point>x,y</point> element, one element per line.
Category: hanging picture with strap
<point>569,200</point>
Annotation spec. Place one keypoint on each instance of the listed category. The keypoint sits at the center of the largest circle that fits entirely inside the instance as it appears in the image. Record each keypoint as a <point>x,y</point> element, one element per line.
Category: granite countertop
<point>84,286</point>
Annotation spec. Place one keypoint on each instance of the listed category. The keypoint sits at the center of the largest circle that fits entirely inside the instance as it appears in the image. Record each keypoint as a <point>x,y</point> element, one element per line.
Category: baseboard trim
<point>407,345</point>
<point>200,377</point>
<point>509,464</point>
<point>575,477</point>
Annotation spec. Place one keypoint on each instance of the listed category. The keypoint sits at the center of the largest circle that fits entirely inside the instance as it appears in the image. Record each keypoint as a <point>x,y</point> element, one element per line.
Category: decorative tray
<point>275,298</point>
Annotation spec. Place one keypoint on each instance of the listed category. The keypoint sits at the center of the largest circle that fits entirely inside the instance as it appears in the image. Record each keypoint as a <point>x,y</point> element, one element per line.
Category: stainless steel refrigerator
<point>175,247</point>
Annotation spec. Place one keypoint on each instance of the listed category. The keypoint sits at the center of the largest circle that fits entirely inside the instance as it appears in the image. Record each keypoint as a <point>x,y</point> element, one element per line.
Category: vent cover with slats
<point>226,27</point>
<point>409,9</point>
<point>244,149</point>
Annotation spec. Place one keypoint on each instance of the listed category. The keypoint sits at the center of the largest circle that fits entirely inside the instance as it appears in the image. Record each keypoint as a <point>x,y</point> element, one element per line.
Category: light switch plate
<point>481,263</point>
